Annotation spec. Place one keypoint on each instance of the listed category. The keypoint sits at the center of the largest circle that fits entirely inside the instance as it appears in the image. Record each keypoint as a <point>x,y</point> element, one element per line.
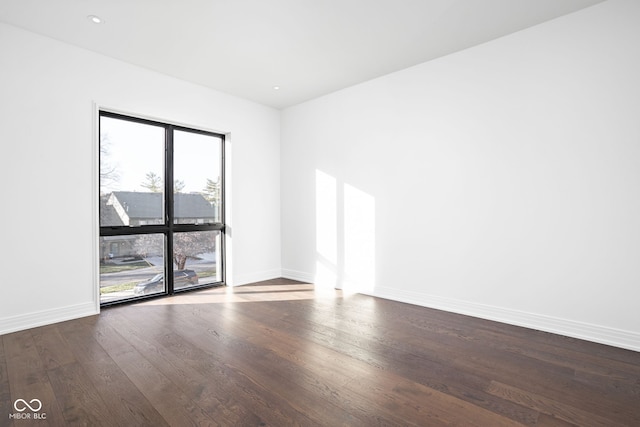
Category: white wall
<point>502,181</point>
<point>48,94</point>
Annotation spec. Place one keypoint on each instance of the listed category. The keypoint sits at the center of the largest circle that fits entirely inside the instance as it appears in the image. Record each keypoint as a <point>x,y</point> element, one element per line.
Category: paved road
<point>144,274</point>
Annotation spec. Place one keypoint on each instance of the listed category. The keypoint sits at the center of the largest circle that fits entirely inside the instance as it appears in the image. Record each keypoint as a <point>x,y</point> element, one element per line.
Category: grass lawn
<point>117,288</point>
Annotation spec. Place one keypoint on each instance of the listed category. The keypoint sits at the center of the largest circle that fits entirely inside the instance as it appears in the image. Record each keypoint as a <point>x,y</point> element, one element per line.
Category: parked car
<point>181,279</point>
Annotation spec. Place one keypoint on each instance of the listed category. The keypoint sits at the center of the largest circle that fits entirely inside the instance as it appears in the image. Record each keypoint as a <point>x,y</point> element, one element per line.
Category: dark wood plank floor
<point>277,353</point>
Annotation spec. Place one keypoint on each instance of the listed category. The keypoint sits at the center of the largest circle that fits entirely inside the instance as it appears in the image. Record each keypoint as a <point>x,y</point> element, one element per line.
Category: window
<point>161,208</point>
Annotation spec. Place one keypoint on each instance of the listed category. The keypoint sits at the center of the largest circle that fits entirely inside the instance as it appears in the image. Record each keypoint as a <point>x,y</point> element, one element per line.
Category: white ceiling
<point>307,47</point>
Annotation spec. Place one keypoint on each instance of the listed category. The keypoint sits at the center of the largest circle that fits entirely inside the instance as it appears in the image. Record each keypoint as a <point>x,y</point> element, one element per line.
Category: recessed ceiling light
<point>276,88</point>
<point>95,19</point>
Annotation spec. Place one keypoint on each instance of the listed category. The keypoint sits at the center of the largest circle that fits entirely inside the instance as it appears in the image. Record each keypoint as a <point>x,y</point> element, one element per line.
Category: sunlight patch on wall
<point>359,240</point>
<point>326,230</point>
<point>345,236</point>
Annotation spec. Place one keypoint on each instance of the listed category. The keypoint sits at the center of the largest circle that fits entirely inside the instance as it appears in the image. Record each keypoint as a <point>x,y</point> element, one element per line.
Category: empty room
<point>320,213</point>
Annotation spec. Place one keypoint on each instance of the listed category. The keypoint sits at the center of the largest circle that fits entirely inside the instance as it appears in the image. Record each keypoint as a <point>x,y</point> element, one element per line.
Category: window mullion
<point>169,206</point>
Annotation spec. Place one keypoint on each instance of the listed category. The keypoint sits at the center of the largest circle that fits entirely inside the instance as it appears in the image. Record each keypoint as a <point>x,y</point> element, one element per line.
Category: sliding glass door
<point>161,208</point>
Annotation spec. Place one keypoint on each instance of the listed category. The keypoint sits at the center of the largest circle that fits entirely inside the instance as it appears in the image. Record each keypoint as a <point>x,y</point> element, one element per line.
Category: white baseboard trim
<point>300,276</point>
<point>258,276</point>
<point>570,328</point>
<point>46,317</point>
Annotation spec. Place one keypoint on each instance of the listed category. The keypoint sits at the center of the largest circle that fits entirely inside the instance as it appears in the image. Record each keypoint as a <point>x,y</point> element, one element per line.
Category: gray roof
<point>192,205</point>
<point>140,205</point>
<point>108,215</point>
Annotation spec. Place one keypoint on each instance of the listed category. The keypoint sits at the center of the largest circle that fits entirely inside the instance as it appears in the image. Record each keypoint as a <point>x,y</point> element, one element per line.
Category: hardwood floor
<point>279,354</point>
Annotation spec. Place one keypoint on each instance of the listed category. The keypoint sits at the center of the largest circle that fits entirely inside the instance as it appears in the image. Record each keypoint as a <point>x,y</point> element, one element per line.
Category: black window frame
<point>169,227</point>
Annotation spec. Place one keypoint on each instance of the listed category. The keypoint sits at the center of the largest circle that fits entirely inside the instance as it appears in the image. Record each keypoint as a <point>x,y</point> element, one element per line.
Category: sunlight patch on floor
<point>248,293</point>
